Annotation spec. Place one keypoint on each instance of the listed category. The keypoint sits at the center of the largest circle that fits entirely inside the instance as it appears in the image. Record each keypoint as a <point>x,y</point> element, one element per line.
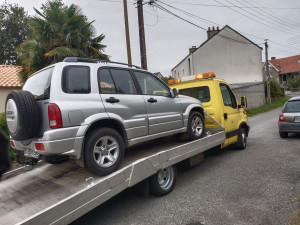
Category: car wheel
<point>104,151</point>
<point>195,129</point>
<point>283,134</point>
<point>242,139</point>
<point>22,115</point>
<point>163,182</point>
<point>57,159</point>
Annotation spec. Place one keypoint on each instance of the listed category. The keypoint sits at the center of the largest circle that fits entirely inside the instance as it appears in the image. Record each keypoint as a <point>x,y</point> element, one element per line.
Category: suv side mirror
<point>244,102</point>
<point>175,92</point>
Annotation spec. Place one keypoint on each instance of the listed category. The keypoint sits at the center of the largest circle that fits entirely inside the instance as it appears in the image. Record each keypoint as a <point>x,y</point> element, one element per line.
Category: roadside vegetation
<point>296,219</point>
<point>267,107</point>
<point>5,130</point>
<point>56,32</point>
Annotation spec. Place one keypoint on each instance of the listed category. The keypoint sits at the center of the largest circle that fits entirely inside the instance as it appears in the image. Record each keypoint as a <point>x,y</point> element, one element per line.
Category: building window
<point>189,62</point>
<point>182,72</point>
<point>298,61</point>
<point>174,73</point>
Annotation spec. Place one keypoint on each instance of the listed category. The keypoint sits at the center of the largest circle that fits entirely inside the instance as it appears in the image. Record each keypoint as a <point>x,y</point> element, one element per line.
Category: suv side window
<point>228,96</point>
<point>151,86</point>
<point>201,93</point>
<point>76,80</point>
<point>123,81</point>
<point>106,83</point>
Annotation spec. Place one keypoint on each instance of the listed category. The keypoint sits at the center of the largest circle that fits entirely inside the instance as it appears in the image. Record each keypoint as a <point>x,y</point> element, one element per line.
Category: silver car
<point>92,110</point>
<point>289,119</point>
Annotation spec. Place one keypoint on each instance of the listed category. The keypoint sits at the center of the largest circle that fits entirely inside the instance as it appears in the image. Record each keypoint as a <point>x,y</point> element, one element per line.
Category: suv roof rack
<point>81,59</point>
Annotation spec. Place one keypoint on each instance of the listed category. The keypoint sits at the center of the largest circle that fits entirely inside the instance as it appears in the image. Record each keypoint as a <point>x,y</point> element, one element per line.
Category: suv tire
<point>104,151</point>
<point>22,115</point>
<point>283,134</point>
<point>195,128</point>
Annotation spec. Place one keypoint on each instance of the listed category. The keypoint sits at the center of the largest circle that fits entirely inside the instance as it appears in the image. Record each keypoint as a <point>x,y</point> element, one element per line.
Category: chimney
<point>212,32</point>
<point>273,58</point>
<point>192,49</point>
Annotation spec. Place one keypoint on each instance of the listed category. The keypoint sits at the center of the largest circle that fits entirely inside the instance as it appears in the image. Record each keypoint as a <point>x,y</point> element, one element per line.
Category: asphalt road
<point>256,186</point>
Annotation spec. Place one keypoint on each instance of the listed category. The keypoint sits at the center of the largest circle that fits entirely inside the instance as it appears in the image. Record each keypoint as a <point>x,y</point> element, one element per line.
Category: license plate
<point>297,119</point>
<point>30,153</point>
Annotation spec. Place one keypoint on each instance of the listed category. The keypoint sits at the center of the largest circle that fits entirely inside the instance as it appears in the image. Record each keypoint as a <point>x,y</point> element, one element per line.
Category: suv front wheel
<point>104,151</point>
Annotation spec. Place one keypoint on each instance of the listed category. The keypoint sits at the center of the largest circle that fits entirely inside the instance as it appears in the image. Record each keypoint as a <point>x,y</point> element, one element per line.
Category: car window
<point>123,81</point>
<point>228,97</point>
<point>37,83</point>
<point>76,80</point>
<point>201,93</point>
<point>150,85</point>
<point>292,106</point>
<point>106,83</point>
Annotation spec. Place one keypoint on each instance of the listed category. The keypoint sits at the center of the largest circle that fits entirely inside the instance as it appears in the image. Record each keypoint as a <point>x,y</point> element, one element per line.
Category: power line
<point>168,11</point>
<point>220,6</point>
<point>268,18</point>
<point>253,18</point>
<point>272,14</point>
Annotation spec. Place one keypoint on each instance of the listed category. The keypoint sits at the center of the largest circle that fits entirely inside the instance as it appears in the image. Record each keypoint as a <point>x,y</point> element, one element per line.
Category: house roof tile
<point>9,76</point>
<point>287,65</point>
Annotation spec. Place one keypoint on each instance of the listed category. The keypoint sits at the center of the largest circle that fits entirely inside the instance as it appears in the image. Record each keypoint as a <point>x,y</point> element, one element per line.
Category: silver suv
<point>92,110</point>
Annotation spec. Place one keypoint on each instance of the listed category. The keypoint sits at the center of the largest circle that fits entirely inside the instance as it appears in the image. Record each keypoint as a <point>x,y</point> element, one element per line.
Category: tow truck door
<point>231,114</point>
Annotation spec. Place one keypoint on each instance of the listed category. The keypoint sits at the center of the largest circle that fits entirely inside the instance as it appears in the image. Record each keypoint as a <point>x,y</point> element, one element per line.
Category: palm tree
<point>58,31</point>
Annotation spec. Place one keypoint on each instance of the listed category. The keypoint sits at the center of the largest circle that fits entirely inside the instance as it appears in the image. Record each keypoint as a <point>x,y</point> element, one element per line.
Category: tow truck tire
<point>104,151</point>
<point>242,139</point>
<point>22,115</point>
<point>163,182</point>
<point>195,128</point>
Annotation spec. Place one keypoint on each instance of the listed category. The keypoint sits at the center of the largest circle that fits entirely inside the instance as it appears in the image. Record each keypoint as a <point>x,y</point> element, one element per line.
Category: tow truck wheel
<point>242,139</point>
<point>195,129</point>
<point>104,151</point>
<point>163,182</point>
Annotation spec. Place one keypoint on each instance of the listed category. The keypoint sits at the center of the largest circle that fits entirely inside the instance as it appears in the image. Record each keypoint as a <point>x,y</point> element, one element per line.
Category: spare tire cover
<point>22,115</point>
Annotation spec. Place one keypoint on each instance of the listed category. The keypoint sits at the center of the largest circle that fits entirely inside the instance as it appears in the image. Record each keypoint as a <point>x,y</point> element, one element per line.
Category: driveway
<point>256,186</point>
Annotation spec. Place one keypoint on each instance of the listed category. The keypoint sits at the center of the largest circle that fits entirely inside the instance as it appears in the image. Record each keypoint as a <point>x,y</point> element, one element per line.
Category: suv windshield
<point>292,106</point>
<point>37,84</point>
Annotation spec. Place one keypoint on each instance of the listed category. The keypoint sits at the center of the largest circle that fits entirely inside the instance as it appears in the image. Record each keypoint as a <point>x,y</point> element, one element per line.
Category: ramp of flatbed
<point>59,194</point>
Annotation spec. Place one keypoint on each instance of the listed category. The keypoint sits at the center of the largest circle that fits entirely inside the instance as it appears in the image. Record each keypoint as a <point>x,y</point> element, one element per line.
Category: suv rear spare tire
<point>22,115</point>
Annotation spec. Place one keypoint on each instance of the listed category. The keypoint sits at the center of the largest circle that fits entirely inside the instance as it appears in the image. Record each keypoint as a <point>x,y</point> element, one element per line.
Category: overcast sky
<point>169,38</point>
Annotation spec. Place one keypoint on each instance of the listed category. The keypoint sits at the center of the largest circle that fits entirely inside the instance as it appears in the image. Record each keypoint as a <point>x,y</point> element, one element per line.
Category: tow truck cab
<point>219,101</point>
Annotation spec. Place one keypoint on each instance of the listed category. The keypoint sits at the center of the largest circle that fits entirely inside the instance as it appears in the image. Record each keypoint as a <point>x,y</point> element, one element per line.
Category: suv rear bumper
<point>55,142</point>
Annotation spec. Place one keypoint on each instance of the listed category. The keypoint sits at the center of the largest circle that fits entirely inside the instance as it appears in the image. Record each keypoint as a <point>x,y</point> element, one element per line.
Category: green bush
<point>5,130</point>
<point>275,89</point>
<point>293,83</point>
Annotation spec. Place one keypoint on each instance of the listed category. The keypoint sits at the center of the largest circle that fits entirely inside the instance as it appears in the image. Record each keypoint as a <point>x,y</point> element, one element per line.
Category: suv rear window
<point>76,80</point>
<point>292,106</point>
<point>38,83</point>
<point>201,93</point>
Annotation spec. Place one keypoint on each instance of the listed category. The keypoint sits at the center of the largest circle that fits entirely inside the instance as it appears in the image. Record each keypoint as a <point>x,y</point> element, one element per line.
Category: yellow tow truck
<point>219,102</point>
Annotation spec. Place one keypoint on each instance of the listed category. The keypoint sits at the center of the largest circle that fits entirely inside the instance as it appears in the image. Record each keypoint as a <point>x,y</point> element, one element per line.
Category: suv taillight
<point>281,118</point>
<point>54,116</point>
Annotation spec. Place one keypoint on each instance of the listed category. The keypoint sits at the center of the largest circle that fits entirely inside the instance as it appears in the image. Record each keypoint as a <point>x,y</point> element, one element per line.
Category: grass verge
<point>267,107</point>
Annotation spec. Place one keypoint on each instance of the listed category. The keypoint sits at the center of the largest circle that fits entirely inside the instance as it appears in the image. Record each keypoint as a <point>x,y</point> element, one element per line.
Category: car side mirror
<point>175,92</point>
<point>243,102</point>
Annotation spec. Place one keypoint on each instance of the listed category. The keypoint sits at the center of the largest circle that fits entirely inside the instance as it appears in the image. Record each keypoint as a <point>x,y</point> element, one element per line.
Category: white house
<point>229,54</point>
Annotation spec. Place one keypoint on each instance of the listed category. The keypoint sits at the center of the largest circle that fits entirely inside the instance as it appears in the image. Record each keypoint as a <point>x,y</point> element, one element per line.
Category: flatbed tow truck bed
<point>59,194</point>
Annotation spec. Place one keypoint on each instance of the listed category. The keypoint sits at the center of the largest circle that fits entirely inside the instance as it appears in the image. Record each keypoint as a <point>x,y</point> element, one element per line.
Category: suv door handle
<point>152,100</point>
<point>112,100</point>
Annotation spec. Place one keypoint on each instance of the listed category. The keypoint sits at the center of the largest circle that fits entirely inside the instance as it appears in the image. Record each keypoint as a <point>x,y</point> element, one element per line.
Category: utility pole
<point>267,70</point>
<point>142,34</point>
<point>127,32</point>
